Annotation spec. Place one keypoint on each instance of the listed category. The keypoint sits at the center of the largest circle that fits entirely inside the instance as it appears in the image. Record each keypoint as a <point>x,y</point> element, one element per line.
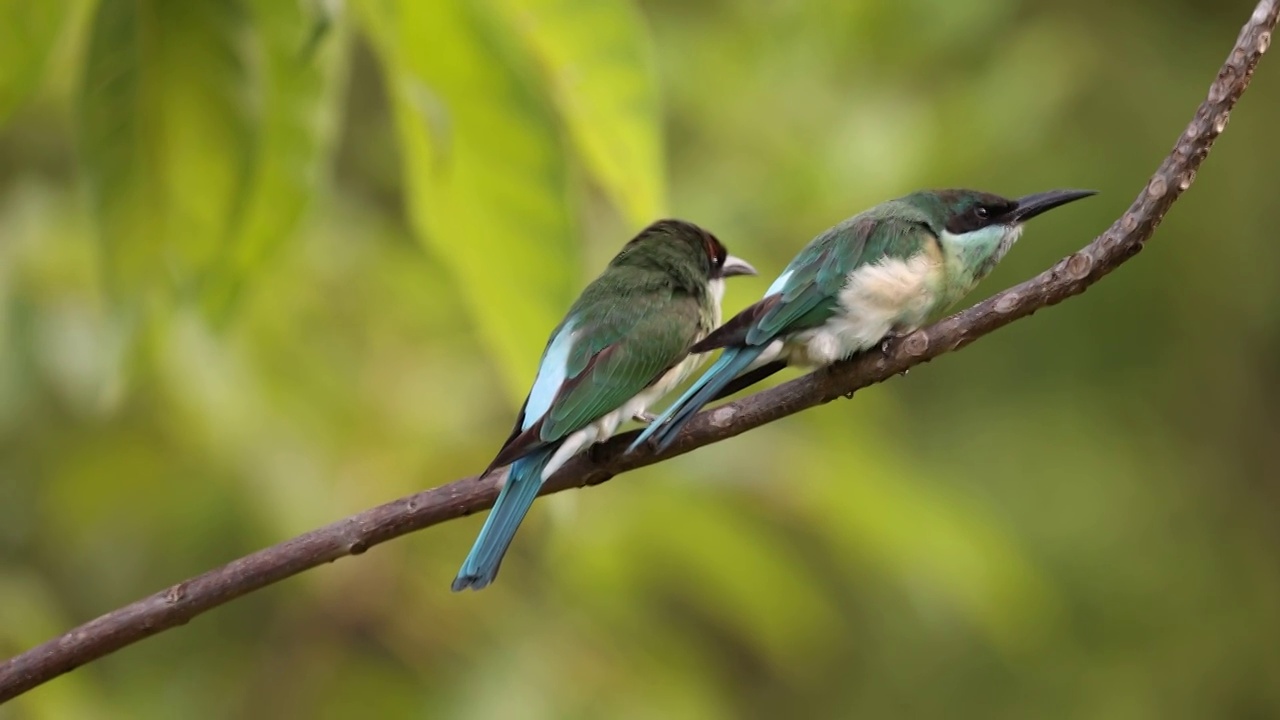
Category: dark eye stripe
<point>966,222</point>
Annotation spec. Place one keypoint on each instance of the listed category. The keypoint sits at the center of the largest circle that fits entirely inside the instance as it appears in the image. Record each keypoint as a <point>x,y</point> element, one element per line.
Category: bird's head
<point>679,244</point>
<point>984,226</point>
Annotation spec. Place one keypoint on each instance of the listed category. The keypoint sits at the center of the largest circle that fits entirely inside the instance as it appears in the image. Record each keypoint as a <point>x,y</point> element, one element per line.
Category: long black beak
<point>736,266</point>
<point>1032,205</point>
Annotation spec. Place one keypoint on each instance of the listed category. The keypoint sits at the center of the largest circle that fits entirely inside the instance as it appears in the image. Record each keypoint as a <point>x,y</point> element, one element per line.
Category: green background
<point>266,263</point>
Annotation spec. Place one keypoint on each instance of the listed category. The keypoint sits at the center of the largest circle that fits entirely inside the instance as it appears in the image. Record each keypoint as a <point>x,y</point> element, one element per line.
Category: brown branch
<point>352,536</point>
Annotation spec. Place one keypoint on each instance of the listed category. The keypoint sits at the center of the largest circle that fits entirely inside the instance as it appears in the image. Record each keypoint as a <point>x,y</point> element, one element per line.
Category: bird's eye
<point>715,251</point>
<point>982,212</point>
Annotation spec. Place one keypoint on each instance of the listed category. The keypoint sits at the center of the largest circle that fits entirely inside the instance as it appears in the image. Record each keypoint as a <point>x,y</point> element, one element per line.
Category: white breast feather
<point>875,300</point>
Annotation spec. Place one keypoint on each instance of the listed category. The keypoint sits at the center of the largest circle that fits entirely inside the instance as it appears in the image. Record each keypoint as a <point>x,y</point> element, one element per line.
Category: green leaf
<point>301,69</point>
<point>28,32</point>
<point>598,61</point>
<point>165,133</point>
<point>484,171</point>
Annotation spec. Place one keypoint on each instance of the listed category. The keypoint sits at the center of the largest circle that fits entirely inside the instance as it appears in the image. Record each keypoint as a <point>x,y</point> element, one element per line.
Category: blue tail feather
<point>523,482</point>
<point>667,426</point>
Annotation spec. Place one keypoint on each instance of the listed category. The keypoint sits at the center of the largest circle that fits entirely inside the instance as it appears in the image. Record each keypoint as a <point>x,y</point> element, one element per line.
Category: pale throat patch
<point>716,286</point>
<point>971,256</point>
<point>1008,238</point>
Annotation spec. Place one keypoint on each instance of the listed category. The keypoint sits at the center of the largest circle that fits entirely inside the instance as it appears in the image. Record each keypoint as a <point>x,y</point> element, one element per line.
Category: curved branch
<point>352,536</point>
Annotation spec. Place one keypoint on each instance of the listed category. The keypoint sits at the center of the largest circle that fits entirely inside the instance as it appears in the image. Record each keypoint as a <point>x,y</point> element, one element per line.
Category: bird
<point>622,345</point>
<point>874,276</point>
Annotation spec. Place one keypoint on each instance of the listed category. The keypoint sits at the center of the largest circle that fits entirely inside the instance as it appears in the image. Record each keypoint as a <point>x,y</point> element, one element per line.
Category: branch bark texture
<point>351,536</point>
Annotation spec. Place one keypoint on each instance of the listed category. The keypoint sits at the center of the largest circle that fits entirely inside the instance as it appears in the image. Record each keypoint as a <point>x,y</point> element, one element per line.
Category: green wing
<point>626,353</point>
<point>622,343</point>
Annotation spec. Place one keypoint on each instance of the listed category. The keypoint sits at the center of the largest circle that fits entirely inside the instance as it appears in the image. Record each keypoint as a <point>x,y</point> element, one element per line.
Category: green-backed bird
<point>623,344</point>
<point>878,274</point>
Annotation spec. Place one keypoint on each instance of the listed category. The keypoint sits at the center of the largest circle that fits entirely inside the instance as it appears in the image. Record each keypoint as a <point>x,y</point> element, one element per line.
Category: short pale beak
<point>736,266</point>
<point>1032,205</point>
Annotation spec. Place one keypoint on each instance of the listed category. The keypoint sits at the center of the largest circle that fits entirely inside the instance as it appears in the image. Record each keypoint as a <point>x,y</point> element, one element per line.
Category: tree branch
<point>352,536</point>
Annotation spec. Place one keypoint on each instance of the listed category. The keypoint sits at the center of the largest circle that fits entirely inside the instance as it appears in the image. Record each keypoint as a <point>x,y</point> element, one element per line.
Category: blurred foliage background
<point>265,263</point>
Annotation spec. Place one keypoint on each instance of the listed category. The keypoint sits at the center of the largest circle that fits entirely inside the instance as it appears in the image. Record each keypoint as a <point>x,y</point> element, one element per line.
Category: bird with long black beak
<point>878,274</point>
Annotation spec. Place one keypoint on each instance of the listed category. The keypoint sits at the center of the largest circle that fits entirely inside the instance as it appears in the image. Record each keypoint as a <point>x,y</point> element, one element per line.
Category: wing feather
<point>615,350</point>
<point>650,346</point>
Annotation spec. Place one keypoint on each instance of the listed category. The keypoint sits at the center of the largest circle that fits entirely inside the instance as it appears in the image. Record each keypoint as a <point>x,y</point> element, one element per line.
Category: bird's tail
<point>665,428</point>
<point>524,479</point>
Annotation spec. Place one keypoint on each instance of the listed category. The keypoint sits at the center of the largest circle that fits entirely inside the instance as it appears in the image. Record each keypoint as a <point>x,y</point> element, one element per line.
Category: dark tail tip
<point>475,581</point>
<point>667,439</point>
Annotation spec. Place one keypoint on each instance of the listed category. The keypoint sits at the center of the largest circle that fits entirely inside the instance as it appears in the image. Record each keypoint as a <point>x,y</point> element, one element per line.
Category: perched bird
<point>878,274</point>
<point>623,344</point>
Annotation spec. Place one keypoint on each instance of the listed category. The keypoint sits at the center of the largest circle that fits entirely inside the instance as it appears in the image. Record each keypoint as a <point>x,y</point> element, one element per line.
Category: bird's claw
<point>644,417</point>
<point>893,335</point>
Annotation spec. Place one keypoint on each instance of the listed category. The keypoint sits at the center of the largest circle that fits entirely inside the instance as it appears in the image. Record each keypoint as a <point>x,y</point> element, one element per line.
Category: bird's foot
<point>644,417</point>
<point>893,335</point>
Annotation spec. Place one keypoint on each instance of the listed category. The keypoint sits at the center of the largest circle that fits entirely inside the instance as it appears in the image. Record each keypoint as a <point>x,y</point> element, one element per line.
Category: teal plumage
<point>621,346</point>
